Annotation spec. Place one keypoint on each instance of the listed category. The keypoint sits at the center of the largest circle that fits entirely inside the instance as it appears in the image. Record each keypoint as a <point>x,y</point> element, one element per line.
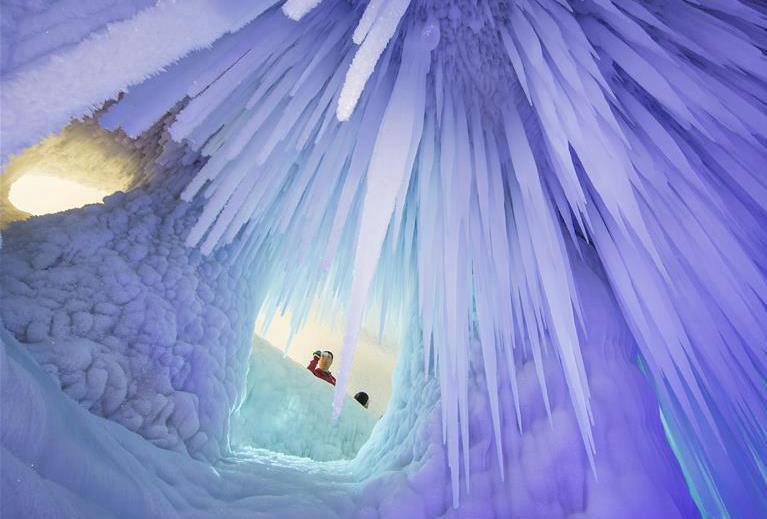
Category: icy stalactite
<point>367,20</point>
<point>367,56</point>
<point>391,161</point>
<point>297,9</point>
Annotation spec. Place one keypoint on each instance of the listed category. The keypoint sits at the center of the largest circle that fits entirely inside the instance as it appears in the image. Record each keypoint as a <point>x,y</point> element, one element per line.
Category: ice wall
<point>110,302</point>
<point>59,460</point>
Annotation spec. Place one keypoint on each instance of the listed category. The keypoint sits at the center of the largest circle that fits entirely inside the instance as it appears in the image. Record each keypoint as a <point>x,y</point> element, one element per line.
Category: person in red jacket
<point>320,366</point>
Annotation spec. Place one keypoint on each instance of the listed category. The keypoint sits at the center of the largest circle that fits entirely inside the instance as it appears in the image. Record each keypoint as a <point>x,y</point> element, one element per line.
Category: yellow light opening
<point>43,194</point>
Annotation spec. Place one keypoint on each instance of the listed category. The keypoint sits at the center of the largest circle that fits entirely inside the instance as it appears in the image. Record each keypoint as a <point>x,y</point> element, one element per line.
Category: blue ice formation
<point>560,202</point>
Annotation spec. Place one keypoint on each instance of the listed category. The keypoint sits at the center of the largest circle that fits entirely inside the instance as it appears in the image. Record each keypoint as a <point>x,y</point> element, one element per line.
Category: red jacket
<point>324,375</point>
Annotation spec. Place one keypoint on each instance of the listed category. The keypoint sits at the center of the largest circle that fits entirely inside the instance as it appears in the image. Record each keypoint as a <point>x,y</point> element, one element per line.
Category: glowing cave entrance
<point>287,409</point>
<point>76,167</point>
<point>39,194</point>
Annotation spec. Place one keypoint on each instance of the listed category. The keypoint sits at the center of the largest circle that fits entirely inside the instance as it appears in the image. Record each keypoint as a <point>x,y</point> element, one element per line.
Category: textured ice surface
<point>32,30</point>
<point>130,324</point>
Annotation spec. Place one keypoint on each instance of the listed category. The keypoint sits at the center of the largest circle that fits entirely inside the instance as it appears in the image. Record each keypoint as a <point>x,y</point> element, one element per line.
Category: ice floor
<point>559,206</point>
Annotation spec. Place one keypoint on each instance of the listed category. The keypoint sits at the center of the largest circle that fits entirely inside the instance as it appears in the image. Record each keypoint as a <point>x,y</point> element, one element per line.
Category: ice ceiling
<point>562,203</point>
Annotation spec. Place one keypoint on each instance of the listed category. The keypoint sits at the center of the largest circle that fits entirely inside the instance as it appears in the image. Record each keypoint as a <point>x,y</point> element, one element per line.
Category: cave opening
<point>40,193</point>
<point>286,409</point>
<point>78,166</point>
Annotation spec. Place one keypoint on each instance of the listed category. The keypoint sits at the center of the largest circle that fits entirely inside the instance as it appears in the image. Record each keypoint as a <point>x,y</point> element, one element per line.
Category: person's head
<point>362,398</point>
<point>326,359</point>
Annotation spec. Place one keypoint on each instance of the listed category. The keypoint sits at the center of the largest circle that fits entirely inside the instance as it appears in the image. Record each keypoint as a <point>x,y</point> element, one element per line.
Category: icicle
<point>553,269</point>
<point>297,9</point>
<point>369,17</point>
<point>367,56</point>
<point>390,166</point>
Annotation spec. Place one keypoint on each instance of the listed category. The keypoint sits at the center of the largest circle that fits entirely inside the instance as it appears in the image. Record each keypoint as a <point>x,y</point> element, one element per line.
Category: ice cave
<point>534,232</point>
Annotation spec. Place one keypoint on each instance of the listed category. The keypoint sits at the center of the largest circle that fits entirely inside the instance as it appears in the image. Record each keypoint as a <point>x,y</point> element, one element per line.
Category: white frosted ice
<point>367,56</point>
